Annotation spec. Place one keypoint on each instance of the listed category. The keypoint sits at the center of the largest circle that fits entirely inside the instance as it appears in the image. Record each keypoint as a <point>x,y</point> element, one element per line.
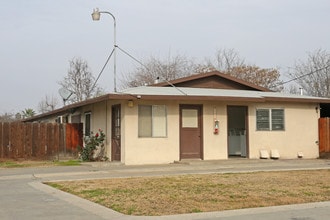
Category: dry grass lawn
<point>202,193</point>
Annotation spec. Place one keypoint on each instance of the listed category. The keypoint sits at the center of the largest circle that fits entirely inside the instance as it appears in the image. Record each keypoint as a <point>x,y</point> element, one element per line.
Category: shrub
<point>93,142</point>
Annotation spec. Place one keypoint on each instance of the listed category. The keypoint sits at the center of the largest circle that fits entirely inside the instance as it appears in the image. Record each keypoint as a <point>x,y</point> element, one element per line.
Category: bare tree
<point>80,81</point>
<point>7,117</point>
<point>313,74</point>
<point>230,62</point>
<point>293,89</point>
<point>172,68</point>
<point>48,104</point>
<point>268,78</point>
<point>225,60</point>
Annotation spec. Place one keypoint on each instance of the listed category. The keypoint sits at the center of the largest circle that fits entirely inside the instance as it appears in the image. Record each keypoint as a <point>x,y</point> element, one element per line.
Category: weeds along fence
<point>40,140</point>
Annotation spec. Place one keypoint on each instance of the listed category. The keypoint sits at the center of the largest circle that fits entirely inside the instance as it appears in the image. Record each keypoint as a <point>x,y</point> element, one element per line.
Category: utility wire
<point>302,76</point>
<point>106,62</point>
<point>136,60</point>
<point>149,70</point>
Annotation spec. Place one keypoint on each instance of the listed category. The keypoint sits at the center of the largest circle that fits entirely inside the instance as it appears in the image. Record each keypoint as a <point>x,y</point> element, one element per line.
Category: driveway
<point>23,196</point>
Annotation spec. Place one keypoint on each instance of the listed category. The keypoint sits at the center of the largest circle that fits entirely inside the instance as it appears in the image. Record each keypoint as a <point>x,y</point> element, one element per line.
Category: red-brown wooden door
<point>115,133</point>
<point>191,138</point>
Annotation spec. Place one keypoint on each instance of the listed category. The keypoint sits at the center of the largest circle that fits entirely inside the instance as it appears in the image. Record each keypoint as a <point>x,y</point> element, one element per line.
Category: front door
<point>237,131</point>
<point>115,133</point>
<point>191,132</point>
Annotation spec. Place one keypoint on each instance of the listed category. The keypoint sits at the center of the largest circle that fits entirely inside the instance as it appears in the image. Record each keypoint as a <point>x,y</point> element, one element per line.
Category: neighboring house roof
<point>214,79</point>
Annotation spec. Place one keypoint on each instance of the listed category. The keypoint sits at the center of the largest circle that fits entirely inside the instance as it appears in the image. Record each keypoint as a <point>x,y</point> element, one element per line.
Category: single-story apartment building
<point>208,116</point>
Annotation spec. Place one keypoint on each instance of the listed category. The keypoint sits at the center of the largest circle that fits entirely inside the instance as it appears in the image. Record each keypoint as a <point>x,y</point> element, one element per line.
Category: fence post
<point>56,141</point>
<point>1,139</point>
<point>28,136</point>
<point>327,147</point>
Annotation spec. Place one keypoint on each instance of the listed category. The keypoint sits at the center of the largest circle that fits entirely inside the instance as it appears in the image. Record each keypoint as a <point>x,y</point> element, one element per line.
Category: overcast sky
<point>39,37</point>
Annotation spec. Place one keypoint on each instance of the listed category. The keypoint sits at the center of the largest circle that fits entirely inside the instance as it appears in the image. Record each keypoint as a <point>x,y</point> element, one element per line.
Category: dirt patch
<point>203,193</point>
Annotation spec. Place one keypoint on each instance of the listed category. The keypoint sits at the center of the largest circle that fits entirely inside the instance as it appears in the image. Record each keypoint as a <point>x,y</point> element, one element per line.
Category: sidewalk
<point>22,194</point>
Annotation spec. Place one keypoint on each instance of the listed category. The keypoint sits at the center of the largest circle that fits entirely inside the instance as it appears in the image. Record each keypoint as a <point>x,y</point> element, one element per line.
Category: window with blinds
<point>277,119</point>
<point>152,121</point>
<point>262,119</point>
<point>270,119</point>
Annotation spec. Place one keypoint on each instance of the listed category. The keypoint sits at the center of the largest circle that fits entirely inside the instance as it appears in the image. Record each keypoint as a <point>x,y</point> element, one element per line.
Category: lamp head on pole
<point>96,14</point>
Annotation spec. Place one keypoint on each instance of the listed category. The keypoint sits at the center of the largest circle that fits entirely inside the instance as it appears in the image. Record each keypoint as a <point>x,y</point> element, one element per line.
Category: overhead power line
<point>106,62</point>
<point>136,60</point>
<point>302,76</point>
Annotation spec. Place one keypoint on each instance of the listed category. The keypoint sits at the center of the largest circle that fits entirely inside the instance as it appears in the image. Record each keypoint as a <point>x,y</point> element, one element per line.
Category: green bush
<point>91,143</point>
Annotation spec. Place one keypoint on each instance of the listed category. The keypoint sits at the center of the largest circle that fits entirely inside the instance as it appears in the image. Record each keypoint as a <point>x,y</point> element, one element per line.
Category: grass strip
<point>31,163</point>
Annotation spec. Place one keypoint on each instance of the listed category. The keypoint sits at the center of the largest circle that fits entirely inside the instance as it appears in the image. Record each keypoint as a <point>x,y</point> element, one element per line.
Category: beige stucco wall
<point>167,150</point>
<point>215,145</point>
<point>100,119</point>
<point>150,150</point>
<point>300,134</point>
<point>301,131</point>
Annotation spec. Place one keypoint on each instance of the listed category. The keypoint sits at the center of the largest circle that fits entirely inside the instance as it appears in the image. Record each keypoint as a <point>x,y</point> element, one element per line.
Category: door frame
<point>247,148</point>
<point>199,107</point>
<point>113,124</point>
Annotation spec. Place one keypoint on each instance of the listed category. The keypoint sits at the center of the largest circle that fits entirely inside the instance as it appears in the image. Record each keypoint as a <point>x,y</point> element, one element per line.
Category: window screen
<point>270,119</point>
<point>277,119</point>
<point>262,119</point>
<point>152,121</point>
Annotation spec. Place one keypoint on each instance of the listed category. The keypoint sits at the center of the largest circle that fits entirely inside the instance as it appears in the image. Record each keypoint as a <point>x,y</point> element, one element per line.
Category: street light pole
<point>96,17</point>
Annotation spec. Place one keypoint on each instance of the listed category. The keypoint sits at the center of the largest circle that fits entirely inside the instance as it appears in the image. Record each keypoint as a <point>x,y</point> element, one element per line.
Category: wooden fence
<point>39,140</point>
<point>324,137</point>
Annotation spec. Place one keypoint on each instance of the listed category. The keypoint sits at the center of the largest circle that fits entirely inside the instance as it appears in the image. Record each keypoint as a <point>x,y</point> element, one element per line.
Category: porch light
<point>130,103</point>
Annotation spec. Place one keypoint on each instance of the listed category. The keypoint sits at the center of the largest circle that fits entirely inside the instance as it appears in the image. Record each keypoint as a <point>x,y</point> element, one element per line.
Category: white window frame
<point>153,119</point>
<point>270,119</point>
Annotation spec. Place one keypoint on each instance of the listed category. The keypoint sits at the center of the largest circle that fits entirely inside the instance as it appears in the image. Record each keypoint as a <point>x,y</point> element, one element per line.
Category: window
<point>152,121</point>
<point>75,119</point>
<point>189,118</point>
<point>262,119</point>
<point>88,124</point>
<point>270,119</point>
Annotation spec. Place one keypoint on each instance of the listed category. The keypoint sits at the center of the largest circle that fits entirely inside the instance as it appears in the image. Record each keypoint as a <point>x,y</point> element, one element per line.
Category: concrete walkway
<point>23,196</point>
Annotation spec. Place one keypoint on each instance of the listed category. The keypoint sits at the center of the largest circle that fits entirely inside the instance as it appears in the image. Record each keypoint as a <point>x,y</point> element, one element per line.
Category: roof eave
<point>200,98</point>
<point>301,100</point>
<point>69,108</point>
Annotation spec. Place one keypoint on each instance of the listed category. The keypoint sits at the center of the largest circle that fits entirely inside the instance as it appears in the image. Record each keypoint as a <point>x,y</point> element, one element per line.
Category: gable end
<point>214,80</point>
